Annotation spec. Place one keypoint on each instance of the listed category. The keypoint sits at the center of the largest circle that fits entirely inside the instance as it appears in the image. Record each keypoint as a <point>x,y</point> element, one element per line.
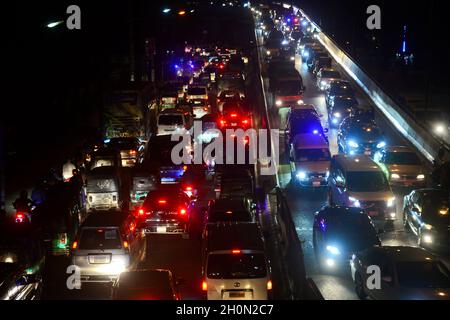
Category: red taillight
<point>245,121</point>
<point>205,109</point>
<point>183,211</point>
<point>125,244</point>
<point>19,216</point>
<point>185,168</point>
<point>221,66</point>
<point>222,122</point>
<point>236,251</point>
<point>188,188</point>
<point>133,152</point>
<point>75,245</point>
<point>204,286</point>
<point>141,212</point>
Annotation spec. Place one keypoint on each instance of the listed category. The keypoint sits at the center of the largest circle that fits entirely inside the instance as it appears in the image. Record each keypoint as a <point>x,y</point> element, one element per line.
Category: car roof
<point>234,235</point>
<point>228,204</point>
<point>309,140</point>
<point>171,111</point>
<point>340,210</point>
<point>105,219</point>
<point>356,163</point>
<point>405,254</point>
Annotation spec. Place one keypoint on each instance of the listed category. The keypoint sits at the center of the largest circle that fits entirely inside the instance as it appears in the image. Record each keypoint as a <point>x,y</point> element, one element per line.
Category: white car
<point>172,121</point>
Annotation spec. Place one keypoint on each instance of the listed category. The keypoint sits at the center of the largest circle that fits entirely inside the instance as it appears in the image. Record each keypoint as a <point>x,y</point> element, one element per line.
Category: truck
<point>124,113</point>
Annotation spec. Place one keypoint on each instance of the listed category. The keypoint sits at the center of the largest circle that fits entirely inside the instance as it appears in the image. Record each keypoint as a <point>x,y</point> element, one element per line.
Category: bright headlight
<point>420,177</point>
<point>292,58</point>
<point>391,202</point>
<point>278,103</point>
<point>382,144</point>
<point>353,144</point>
<point>355,201</point>
<point>428,226</point>
<point>427,238</point>
<point>301,175</point>
<point>395,176</point>
<point>299,102</point>
<point>268,52</point>
<point>337,115</point>
<point>323,83</point>
<point>333,250</point>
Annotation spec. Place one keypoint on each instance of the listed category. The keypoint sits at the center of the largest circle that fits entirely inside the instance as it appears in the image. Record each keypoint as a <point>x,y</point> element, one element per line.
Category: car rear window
<point>236,266</point>
<point>99,239</point>
<point>170,119</point>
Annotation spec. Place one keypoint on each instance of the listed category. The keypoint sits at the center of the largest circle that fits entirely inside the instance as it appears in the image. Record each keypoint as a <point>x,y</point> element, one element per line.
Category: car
<point>103,189</point>
<point>235,265</point>
<point>166,210</point>
<point>402,166</point>
<point>227,96</point>
<point>306,110</point>
<point>172,121</point>
<point>407,273</point>
<point>146,284</point>
<point>325,76</point>
<point>338,88</point>
<point>309,157</point>
<point>234,118</point>
<point>341,107</point>
<point>360,136</point>
<point>130,148</point>
<point>321,62</point>
<point>107,244</point>
<point>197,93</point>
<point>357,181</point>
<point>339,232</point>
<point>297,122</point>
<point>426,214</point>
<point>226,210</point>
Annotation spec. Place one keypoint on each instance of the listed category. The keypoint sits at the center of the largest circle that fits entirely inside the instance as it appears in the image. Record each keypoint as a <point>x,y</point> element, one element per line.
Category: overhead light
<point>166,10</point>
<point>181,12</point>
<point>54,24</point>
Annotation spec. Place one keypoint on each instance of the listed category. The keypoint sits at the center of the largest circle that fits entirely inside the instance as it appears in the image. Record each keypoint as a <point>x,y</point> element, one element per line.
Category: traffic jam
<point>125,221</point>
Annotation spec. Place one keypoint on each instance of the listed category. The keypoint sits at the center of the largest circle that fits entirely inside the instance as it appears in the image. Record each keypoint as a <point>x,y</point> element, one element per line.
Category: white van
<point>309,158</point>
<point>235,266</point>
<point>357,181</point>
<point>171,121</point>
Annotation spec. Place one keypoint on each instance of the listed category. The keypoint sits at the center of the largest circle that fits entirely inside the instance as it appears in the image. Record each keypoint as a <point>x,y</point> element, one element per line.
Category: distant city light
<point>166,10</point>
<point>182,12</point>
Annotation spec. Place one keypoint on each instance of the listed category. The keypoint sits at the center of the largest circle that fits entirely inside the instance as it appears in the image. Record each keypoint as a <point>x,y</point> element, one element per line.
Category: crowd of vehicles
<point>361,179</point>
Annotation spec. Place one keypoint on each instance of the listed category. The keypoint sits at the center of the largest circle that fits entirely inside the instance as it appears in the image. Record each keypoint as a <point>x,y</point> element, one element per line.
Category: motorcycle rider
<point>23,203</point>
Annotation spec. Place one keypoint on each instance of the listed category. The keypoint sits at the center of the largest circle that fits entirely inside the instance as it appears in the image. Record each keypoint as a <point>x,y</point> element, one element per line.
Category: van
<point>357,181</point>
<point>106,245</point>
<point>172,121</point>
<point>309,158</point>
<point>235,266</point>
<point>103,189</point>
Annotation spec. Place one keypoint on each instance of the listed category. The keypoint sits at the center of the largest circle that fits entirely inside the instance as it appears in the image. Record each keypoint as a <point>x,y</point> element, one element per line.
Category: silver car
<point>325,76</point>
<point>405,273</point>
<point>402,166</point>
<point>107,245</point>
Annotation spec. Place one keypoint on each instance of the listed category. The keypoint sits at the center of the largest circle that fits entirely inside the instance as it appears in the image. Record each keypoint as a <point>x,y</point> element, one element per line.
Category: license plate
<point>99,259</point>
<point>316,183</point>
<point>237,294</point>
<point>234,124</point>
<point>373,213</point>
<point>161,229</point>
<point>167,179</point>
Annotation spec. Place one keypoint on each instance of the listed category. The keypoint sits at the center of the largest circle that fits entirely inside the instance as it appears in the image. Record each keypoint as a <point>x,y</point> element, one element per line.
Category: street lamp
<point>439,129</point>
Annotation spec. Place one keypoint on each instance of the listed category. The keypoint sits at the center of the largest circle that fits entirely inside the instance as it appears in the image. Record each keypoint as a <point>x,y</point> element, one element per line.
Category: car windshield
<point>170,119</point>
<point>367,181</point>
<point>423,274</point>
<point>236,266</point>
<point>352,231</point>
<point>331,74</point>
<point>306,155</point>
<point>99,239</point>
<point>402,158</point>
<point>364,133</point>
<point>196,91</point>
